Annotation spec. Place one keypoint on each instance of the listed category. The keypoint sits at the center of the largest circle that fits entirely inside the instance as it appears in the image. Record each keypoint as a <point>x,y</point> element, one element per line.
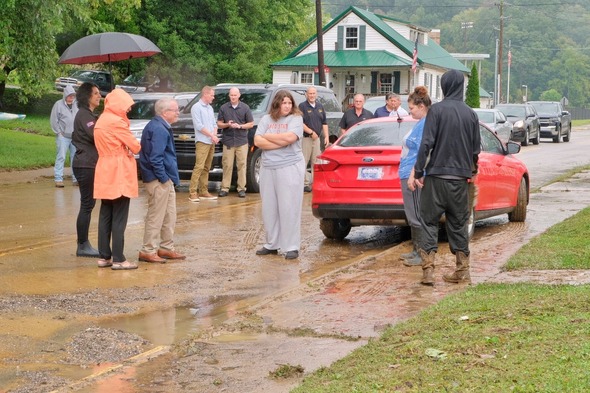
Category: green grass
<point>577,123</point>
<point>20,150</point>
<point>517,338</point>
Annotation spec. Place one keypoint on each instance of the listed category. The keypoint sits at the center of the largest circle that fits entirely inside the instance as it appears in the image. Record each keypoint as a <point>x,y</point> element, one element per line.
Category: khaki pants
<point>311,149</point>
<point>240,154</point>
<point>200,177</point>
<point>160,219</point>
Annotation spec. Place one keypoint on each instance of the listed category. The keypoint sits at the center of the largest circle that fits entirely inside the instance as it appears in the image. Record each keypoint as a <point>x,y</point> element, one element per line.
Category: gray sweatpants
<point>281,191</point>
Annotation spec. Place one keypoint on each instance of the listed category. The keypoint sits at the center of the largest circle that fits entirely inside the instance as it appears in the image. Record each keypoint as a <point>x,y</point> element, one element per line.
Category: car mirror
<point>512,147</point>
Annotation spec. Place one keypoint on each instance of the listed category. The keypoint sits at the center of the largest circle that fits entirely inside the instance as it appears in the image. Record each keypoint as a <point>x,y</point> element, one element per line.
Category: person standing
<point>235,119</point>
<point>62,123</point>
<point>419,102</point>
<point>282,171</point>
<point>84,163</point>
<point>205,140</point>
<point>159,172</point>
<point>116,178</point>
<point>446,161</point>
<point>315,126</point>
<point>392,107</point>
<point>355,114</point>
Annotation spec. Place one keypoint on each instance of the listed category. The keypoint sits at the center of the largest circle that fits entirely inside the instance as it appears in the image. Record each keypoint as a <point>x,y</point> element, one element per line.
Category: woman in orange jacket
<point>115,180</point>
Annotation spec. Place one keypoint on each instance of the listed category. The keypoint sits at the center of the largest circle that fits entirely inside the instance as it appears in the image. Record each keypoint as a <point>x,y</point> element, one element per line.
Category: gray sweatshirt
<point>62,115</point>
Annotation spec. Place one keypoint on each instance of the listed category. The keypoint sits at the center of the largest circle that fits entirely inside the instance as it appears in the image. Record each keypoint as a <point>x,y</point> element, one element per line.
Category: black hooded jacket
<point>451,140</point>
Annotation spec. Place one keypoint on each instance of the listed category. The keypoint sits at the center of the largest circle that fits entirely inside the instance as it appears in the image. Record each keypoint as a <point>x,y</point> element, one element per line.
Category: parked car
<point>259,98</point>
<point>103,79</point>
<point>138,83</point>
<point>525,120</point>
<point>496,120</point>
<point>556,122</point>
<point>142,110</point>
<point>356,179</point>
<point>372,103</point>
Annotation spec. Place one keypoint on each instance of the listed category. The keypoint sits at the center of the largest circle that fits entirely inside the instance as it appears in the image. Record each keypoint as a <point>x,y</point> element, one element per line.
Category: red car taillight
<point>324,164</point>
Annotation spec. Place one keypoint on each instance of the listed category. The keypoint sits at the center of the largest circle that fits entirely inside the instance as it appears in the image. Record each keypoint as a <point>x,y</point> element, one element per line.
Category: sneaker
<point>207,196</point>
<point>193,197</point>
<point>266,251</point>
<point>59,184</point>
<point>223,194</point>
<point>104,263</point>
<point>242,194</point>
<point>292,254</point>
<point>307,189</point>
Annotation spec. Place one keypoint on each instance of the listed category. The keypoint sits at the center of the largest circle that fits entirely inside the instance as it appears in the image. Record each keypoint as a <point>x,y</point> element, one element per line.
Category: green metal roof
<point>432,54</point>
<point>346,58</point>
<point>483,93</point>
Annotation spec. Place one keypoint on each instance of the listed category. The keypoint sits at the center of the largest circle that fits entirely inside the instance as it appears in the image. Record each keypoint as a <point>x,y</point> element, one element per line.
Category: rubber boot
<point>86,250</point>
<point>461,273</point>
<point>427,267</point>
<point>414,253</point>
<point>417,234</point>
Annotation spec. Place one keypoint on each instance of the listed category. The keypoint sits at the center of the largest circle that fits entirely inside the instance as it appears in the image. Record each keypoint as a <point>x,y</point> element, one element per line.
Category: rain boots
<point>427,267</point>
<point>461,273</point>
<point>413,258</point>
<point>86,250</point>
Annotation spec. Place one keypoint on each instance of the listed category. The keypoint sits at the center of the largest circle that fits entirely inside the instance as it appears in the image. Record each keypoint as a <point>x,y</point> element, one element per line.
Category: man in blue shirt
<point>315,126</point>
<point>392,107</point>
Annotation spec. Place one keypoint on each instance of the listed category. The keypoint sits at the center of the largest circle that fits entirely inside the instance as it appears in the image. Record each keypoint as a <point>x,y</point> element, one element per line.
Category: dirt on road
<point>225,320</point>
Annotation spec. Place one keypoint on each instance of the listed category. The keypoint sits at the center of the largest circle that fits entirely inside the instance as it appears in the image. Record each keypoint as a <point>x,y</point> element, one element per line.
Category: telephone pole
<point>500,45</point>
<point>320,41</point>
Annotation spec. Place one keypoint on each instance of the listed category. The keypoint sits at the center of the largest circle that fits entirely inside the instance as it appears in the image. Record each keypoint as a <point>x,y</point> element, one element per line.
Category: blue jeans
<point>63,144</point>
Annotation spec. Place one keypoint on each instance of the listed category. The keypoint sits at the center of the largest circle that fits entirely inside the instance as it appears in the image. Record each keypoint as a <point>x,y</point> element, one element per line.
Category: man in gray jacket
<point>62,123</point>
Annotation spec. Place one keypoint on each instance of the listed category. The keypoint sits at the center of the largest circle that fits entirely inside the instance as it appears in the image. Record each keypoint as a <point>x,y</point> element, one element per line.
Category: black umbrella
<point>108,47</point>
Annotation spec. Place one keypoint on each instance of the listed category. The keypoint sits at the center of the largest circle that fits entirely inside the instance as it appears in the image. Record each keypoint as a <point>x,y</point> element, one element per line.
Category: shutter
<point>340,45</point>
<point>374,76</point>
<point>362,37</point>
<point>316,78</point>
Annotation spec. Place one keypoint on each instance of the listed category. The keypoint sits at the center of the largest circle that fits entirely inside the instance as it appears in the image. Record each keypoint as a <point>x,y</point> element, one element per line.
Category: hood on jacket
<point>451,84</point>
<point>68,91</point>
<point>118,102</point>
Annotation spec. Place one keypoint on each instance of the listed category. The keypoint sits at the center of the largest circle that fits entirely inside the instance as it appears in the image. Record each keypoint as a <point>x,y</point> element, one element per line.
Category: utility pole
<point>320,41</point>
<point>500,45</point>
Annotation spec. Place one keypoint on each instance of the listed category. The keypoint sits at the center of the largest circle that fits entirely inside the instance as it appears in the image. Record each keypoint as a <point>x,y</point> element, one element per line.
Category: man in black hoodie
<point>446,161</point>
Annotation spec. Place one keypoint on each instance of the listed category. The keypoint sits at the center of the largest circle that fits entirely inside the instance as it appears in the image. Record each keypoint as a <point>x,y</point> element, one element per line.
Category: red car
<point>356,179</point>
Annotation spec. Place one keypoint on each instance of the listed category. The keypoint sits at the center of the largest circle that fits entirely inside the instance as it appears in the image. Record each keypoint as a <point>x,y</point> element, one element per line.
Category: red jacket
<point>116,171</point>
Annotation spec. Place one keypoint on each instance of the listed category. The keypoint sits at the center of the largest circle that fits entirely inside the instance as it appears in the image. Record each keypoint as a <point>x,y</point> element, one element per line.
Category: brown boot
<point>461,273</point>
<point>427,267</point>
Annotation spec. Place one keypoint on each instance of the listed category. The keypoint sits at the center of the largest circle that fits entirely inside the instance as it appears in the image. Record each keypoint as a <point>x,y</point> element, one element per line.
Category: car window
<point>489,142</point>
<point>329,102</point>
<point>376,134</point>
<point>486,117</point>
<point>256,99</point>
<point>514,111</point>
<point>546,107</point>
<point>142,110</point>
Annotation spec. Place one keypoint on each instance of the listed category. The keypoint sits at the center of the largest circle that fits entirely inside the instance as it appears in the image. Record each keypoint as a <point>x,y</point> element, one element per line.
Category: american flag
<point>415,56</point>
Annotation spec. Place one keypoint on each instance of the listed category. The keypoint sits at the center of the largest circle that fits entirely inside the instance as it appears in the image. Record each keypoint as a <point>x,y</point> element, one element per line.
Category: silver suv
<point>259,98</point>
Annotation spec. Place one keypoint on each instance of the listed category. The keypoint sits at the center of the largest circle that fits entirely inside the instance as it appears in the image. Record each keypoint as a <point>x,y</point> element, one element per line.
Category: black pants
<point>450,197</point>
<point>85,177</point>
<point>112,222</point>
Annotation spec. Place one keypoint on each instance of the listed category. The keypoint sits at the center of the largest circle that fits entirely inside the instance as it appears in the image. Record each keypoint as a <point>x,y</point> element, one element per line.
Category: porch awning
<point>346,59</point>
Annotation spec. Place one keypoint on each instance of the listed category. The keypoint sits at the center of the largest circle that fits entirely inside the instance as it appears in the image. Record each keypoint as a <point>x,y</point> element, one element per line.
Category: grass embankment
<point>26,144</point>
<point>490,338</point>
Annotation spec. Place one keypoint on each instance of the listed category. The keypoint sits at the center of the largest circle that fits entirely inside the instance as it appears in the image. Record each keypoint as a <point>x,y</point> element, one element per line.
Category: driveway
<point>225,318</point>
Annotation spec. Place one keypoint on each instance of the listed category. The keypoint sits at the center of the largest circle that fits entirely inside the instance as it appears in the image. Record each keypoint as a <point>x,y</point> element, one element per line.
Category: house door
<point>349,89</point>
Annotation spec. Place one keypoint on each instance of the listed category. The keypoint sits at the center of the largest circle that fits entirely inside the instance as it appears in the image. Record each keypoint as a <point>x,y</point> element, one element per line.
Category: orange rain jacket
<point>116,170</point>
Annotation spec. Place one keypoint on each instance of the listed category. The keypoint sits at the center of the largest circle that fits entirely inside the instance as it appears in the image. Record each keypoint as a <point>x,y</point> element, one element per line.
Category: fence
<point>579,113</point>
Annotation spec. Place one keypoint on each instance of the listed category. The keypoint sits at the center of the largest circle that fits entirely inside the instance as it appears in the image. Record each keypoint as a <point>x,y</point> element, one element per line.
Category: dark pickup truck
<point>555,122</point>
<point>259,98</point>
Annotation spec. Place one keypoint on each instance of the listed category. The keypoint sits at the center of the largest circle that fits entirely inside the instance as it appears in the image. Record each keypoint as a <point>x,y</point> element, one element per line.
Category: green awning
<point>346,59</point>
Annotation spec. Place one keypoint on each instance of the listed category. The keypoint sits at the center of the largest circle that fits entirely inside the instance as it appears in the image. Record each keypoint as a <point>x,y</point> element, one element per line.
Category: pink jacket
<point>116,170</point>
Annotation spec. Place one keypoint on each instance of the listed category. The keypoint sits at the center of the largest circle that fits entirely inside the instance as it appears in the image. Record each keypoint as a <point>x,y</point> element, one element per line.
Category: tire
<point>527,135</point>
<point>567,136</point>
<point>519,212</point>
<point>536,139</point>
<point>253,171</point>
<point>557,139</point>
<point>335,228</point>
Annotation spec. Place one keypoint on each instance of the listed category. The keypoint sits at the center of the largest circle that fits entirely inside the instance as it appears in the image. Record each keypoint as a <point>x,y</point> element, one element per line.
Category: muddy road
<point>225,318</point>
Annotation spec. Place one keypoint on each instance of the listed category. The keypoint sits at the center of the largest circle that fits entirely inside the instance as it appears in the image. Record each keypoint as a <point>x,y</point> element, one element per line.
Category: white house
<point>370,54</point>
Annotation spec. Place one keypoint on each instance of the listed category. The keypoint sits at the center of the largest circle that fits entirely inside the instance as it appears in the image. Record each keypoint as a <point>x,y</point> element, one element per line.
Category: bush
<point>36,106</point>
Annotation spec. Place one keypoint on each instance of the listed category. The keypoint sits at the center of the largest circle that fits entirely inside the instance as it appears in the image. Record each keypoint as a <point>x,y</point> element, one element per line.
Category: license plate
<point>370,173</point>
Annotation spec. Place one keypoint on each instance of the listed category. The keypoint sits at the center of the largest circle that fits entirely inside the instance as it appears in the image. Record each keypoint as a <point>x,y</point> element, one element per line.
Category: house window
<point>427,81</point>
<point>306,78</point>
<point>385,83</point>
<point>352,38</point>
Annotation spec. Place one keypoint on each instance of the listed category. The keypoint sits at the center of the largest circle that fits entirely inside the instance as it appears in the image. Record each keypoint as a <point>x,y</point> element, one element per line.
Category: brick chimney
<point>435,35</point>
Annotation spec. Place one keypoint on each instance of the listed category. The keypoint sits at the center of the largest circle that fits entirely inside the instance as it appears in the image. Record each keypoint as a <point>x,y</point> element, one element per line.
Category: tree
<point>550,95</point>
<point>29,29</point>
<point>472,95</point>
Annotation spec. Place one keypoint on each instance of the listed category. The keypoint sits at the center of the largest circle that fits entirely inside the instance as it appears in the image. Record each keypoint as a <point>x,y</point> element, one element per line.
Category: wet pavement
<point>225,318</point>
